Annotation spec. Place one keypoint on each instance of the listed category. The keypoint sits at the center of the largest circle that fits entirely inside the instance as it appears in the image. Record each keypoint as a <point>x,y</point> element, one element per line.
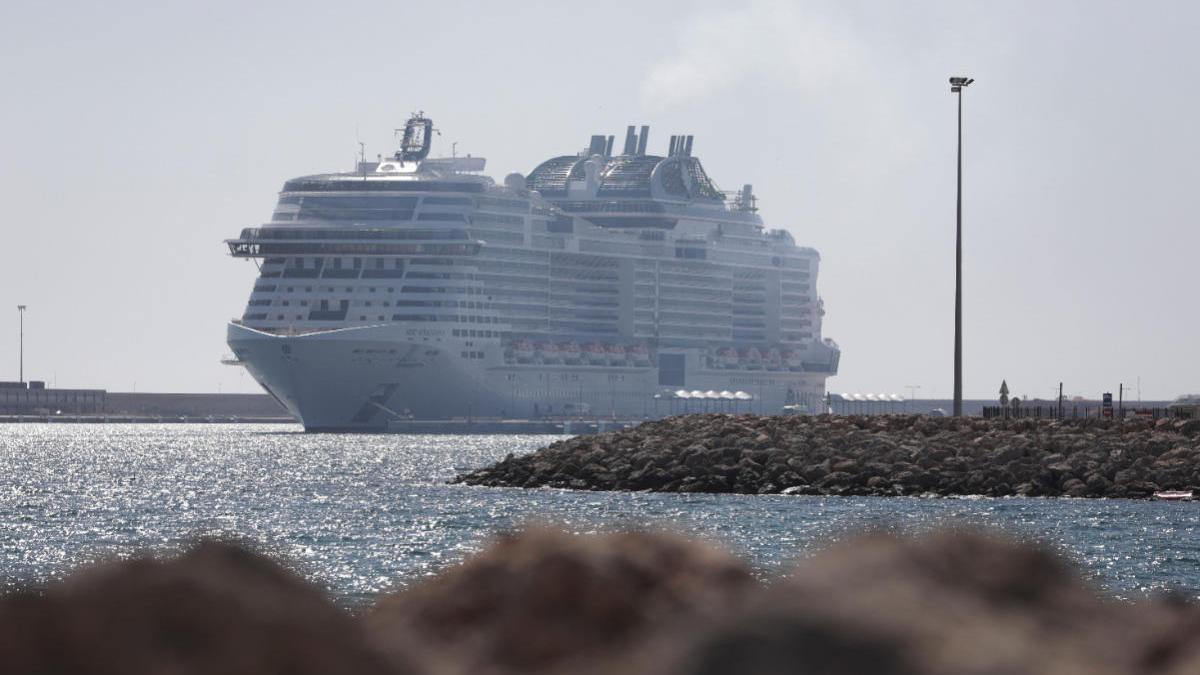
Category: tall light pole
<point>957,84</point>
<point>912,395</point>
<point>21,314</point>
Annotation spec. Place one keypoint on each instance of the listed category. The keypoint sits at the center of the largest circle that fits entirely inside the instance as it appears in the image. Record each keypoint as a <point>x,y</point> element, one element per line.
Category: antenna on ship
<point>745,200</point>
<point>363,149</point>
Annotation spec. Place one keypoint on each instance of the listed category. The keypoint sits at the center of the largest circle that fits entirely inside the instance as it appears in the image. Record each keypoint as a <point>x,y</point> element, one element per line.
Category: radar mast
<point>417,139</point>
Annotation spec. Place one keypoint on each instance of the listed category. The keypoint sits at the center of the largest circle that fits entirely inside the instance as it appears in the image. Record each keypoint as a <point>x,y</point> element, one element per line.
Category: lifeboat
<point>772,359</point>
<point>791,360</point>
<point>548,352</point>
<point>570,352</point>
<point>727,357</point>
<point>752,358</point>
<point>639,355</point>
<point>1175,495</point>
<point>616,354</point>
<point>594,354</point>
<point>522,351</point>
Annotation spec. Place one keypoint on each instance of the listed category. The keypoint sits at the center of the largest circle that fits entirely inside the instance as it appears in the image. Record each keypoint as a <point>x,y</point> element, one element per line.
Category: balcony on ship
<point>272,241</point>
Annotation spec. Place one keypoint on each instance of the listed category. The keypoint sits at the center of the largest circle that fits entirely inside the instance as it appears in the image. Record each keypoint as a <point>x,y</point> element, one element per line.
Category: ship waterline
<point>599,285</point>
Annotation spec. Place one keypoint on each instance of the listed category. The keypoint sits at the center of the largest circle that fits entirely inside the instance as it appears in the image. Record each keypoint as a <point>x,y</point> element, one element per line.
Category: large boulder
<point>217,609</point>
<point>951,603</point>
<point>540,601</point>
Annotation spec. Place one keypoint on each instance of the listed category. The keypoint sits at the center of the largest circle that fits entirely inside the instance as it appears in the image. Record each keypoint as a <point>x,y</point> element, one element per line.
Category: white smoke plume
<point>767,42</point>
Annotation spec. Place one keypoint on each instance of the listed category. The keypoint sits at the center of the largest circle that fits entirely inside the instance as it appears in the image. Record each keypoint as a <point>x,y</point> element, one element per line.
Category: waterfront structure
<point>21,347</point>
<point>34,398</point>
<point>418,287</point>
<point>1187,405</point>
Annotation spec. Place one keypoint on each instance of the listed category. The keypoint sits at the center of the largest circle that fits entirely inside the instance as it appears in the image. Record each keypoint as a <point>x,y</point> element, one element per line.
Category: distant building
<point>1187,405</point>
<point>33,398</point>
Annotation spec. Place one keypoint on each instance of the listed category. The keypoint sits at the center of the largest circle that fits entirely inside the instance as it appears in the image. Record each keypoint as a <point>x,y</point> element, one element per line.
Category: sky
<point>136,136</point>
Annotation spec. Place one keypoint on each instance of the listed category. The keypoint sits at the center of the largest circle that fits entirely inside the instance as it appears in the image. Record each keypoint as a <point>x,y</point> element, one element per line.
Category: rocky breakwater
<point>880,456</point>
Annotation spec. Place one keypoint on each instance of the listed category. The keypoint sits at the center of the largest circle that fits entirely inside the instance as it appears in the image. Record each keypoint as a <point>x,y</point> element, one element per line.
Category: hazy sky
<point>136,136</point>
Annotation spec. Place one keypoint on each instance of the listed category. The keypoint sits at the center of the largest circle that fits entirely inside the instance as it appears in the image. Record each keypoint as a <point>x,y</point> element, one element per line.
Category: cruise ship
<point>599,285</point>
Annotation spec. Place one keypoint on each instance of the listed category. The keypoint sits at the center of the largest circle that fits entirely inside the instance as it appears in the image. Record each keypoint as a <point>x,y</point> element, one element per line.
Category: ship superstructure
<point>598,285</point>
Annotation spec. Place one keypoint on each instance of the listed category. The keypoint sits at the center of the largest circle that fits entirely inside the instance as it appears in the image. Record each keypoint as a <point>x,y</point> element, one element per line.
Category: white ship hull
<point>361,379</point>
<point>356,379</point>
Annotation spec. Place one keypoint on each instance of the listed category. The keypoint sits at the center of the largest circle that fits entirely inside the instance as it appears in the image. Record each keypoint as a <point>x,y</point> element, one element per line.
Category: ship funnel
<point>687,147</point>
<point>642,139</point>
<point>596,147</point>
<point>671,147</point>
<point>630,141</point>
<point>608,147</point>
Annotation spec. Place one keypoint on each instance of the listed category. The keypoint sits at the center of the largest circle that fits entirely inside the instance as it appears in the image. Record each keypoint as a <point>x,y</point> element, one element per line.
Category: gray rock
<point>908,455</point>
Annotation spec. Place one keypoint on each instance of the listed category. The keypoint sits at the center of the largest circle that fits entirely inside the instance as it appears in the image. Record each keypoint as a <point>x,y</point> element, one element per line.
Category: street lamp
<point>21,314</point>
<point>957,84</point>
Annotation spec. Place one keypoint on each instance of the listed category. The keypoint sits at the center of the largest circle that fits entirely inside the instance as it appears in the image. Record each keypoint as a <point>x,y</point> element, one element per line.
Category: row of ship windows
<point>519,255</point>
<point>537,264</point>
<point>689,253</point>
<point>272,234</point>
<point>356,215</point>
<point>335,263</point>
<point>375,201</point>
<point>272,288</point>
<point>694,331</point>
<point>355,261</point>
<point>584,260</point>
<point>713,317</point>
<point>724,311</point>
<point>540,241</point>
<point>389,215</point>
<point>509,222</point>
<point>499,236</point>
<point>691,284</point>
<point>406,288</point>
<point>566,326</point>
<point>340,314</point>
<point>264,302</point>
<point>498,203</point>
<point>336,211</point>
<point>259,249</point>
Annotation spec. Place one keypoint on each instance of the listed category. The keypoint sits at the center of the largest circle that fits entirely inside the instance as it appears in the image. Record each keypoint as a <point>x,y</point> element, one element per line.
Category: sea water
<point>360,514</point>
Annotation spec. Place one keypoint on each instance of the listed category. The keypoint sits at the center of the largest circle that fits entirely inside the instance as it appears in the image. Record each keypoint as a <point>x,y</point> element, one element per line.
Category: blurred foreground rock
<point>216,609</point>
<point>541,602</point>
<point>949,603</point>
<point>878,455</point>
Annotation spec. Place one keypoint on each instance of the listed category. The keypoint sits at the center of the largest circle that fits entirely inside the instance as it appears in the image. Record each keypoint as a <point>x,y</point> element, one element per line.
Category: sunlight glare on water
<point>364,513</point>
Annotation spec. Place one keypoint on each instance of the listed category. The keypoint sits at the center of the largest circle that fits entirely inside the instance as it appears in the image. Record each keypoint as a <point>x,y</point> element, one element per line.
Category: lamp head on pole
<point>957,83</point>
<point>20,308</point>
